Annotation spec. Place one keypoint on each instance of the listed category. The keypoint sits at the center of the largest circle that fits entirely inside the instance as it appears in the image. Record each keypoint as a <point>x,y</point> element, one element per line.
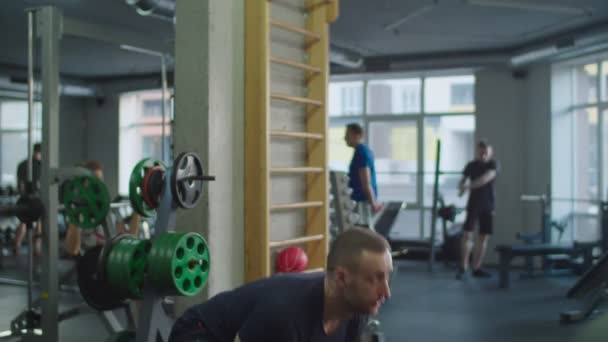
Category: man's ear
<point>341,276</point>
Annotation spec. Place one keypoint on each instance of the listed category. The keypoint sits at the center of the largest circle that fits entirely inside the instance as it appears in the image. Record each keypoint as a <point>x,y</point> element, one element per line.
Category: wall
<point>500,119</point>
<point>72,130</point>
<point>102,136</point>
<point>514,115</point>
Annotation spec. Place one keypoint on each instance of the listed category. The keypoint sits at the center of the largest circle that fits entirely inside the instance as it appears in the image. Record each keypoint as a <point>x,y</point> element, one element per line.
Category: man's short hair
<point>348,246</point>
<point>37,147</point>
<point>92,165</point>
<point>355,128</point>
<point>483,144</point>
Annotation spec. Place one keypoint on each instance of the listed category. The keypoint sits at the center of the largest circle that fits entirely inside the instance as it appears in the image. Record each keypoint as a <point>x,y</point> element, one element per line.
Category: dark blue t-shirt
<point>362,158</point>
<point>482,198</point>
<point>286,307</point>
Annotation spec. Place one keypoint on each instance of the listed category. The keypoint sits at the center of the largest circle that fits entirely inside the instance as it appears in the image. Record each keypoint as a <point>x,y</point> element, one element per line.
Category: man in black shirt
<point>304,307</point>
<point>480,174</point>
<point>22,170</point>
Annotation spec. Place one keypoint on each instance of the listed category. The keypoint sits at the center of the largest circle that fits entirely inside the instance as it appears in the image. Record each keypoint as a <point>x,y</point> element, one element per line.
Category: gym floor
<point>423,307</point>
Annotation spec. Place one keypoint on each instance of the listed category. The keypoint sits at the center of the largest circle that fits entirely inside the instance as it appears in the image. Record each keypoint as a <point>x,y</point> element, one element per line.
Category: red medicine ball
<point>291,259</point>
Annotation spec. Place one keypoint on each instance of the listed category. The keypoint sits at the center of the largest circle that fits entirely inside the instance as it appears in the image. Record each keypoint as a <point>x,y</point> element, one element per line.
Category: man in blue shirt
<point>302,307</point>
<point>362,175</point>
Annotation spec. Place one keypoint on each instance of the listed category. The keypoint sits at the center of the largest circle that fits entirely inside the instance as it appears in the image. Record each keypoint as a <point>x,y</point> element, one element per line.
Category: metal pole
<point>30,91</point>
<point>164,100</point>
<point>49,20</point>
<point>29,186</point>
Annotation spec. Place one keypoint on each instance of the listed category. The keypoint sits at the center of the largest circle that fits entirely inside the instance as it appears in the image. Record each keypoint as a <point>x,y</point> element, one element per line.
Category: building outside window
<point>141,132</point>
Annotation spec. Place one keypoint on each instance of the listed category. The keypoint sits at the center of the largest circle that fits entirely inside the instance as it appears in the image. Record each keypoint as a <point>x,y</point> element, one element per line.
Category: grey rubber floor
<point>424,307</point>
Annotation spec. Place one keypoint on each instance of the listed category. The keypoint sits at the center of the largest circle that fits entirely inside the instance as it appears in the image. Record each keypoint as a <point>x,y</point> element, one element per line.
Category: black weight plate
<point>187,192</point>
<point>93,287</point>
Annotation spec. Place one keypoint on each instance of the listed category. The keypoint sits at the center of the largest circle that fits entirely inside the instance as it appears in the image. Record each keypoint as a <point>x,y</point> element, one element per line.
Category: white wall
<point>514,115</point>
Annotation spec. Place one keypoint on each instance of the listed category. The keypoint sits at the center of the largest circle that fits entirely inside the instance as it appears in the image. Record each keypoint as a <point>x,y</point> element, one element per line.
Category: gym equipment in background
<point>541,244</point>
<point>342,207</point>
<point>169,264</point>
<point>590,290</point>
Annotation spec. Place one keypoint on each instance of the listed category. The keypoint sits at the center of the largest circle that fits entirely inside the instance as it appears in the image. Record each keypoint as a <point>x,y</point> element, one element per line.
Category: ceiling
<point>418,30</point>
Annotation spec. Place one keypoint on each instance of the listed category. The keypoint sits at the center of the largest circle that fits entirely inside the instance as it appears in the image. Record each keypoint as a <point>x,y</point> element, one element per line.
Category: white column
<point>209,120</point>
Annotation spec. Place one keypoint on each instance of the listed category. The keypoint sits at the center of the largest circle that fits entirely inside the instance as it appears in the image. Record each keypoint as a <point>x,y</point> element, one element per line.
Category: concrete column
<point>209,120</point>
<point>501,112</point>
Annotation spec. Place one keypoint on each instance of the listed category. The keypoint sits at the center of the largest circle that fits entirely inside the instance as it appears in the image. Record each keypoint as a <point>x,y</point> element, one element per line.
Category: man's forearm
<point>369,194</point>
<point>483,180</point>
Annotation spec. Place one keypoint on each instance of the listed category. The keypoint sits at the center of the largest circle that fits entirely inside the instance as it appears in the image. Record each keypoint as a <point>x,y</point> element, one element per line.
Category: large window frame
<point>575,204</point>
<point>366,119</point>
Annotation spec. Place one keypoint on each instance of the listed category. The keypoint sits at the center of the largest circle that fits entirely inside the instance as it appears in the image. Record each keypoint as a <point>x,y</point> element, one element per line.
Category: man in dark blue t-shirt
<point>306,307</point>
<point>362,175</point>
<point>480,174</point>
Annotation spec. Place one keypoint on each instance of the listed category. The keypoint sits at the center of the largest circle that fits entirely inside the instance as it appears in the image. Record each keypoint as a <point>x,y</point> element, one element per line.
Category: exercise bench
<point>507,253</point>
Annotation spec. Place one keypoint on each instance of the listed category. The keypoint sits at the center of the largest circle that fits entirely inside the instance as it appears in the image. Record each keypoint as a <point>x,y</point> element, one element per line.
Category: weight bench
<point>507,253</point>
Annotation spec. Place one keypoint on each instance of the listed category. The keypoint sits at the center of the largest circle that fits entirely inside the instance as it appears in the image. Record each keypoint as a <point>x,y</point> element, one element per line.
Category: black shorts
<point>485,219</point>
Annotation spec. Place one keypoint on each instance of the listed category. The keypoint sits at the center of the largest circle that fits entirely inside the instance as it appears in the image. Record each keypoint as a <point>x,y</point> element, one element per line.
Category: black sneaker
<point>460,273</point>
<point>479,273</point>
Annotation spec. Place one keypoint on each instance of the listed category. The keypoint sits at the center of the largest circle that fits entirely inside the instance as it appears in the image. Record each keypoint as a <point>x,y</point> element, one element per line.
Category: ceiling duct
<point>165,9</point>
<point>18,85</point>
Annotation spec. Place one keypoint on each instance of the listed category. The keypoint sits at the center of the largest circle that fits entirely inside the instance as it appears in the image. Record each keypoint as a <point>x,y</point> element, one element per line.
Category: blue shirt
<point>362,158</point>
<point>285,307</point>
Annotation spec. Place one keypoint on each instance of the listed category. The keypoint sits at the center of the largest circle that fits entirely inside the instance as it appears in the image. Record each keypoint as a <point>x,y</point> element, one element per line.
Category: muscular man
<point>478,178</point>
<point>308,307</point>
<point>362,175</point>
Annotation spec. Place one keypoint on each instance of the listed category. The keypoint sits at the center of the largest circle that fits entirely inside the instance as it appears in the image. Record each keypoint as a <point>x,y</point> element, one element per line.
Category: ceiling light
<point>533,6</point>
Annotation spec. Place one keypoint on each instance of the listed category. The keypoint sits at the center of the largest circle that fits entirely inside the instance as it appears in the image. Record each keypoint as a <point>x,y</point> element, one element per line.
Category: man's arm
<point>366,184</point>
<point>487,177</point>
<point>133,227</point>
<point>72,240</point>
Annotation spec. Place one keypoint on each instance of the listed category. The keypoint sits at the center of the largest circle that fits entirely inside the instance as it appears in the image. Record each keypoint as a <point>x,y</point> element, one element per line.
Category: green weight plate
<point>126,266</point>
<point>123,336</point>
<point>179,263</point>
<point>86,201</point>
<point>136,187</point>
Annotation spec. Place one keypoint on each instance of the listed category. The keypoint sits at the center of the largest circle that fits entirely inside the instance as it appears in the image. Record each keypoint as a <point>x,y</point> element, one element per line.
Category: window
<point>578,137</point>
<point>462,94</point>
<point>585,83</point>
<point>395,147</point>
<point>340,154</point>
<point>399,96</point>
<point>13,137</point>
<point>457,134</point>
<point>153,107</point>
<point>402,134</point>
<point>141,132</point>
<point>451,94</point>
<point>346,98</point>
